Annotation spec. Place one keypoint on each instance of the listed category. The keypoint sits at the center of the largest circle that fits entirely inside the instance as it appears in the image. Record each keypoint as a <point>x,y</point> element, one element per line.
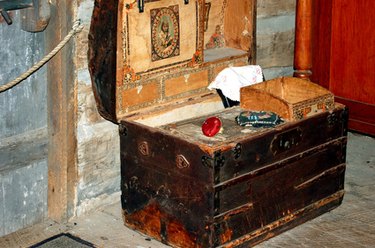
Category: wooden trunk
<point>235,189</point>
<point>239,188</point>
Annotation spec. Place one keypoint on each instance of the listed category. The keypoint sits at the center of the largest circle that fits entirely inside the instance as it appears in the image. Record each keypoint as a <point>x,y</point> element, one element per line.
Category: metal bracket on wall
<point>35,14</point>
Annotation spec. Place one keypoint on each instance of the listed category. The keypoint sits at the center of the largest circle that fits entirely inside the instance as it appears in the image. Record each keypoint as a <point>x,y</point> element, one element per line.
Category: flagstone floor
<point>350,225</point>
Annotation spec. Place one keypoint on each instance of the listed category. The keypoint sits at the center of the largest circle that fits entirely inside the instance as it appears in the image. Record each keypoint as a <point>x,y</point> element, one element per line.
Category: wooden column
<point>62,109</point>
<point>303,49</point>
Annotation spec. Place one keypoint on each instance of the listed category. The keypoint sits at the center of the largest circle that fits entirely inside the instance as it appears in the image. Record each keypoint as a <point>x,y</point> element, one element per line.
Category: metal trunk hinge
<point>219,159</point>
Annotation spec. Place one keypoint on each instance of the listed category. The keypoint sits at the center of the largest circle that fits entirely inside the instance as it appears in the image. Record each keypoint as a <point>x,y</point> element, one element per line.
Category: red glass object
<point>211,126</point>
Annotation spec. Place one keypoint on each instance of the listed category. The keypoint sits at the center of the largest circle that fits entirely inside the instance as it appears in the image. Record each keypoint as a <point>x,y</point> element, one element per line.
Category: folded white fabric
<point>231,79</point>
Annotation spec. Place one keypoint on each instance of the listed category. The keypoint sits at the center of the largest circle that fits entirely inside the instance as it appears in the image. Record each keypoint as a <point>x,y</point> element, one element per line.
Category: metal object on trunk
<point>143,148</point>
<point>285,141</point>
<point>182,162</point>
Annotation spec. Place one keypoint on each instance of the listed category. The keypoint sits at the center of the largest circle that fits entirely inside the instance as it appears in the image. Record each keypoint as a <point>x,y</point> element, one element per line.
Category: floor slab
<point>350,225</point>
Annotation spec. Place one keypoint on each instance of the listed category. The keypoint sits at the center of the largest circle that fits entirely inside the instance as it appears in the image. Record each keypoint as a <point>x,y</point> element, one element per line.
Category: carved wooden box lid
<point>152,54</point>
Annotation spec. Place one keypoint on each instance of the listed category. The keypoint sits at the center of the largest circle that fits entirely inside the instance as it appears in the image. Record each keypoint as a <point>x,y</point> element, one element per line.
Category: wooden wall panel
<point>343,55</point>
<point>353,54</point>
<point>62,116</point>
<point>321,41</point>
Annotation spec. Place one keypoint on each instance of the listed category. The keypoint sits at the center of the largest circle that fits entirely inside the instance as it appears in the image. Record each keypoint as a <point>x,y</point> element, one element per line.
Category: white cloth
<point>231,79</point>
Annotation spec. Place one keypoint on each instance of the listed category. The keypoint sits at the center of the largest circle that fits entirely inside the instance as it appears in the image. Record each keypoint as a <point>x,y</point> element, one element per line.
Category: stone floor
<point>350,225</point>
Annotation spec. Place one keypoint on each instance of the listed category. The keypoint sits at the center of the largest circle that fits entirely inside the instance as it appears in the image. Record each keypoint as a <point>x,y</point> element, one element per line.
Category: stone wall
<point>97,139</point>
<point>275,37</point>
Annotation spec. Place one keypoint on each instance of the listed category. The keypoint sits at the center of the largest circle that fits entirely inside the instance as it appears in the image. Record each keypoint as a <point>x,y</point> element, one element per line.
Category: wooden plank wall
<point>62,115</point>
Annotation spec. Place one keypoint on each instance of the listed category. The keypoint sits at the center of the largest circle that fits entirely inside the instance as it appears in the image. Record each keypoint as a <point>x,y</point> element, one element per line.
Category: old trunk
<point>244,184</point>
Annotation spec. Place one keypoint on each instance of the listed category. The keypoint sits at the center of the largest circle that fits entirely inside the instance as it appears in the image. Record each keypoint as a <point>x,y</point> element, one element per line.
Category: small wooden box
<point>237,188</point>
<point>291,98</point>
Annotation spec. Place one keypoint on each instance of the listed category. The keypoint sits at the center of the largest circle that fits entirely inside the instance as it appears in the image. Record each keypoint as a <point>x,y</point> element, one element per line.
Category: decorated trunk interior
<point>169,53</point>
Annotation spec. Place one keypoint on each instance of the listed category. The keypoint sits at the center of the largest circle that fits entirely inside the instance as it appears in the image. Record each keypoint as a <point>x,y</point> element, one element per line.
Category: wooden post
<point>303,49</point>
<point>62,115</point>
<point>253,49</point>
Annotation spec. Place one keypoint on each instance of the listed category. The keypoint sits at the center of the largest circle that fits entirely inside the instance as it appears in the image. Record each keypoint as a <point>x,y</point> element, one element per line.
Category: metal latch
<point>35,14</point>
<point>285,141</point>
<point>141,4</point>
